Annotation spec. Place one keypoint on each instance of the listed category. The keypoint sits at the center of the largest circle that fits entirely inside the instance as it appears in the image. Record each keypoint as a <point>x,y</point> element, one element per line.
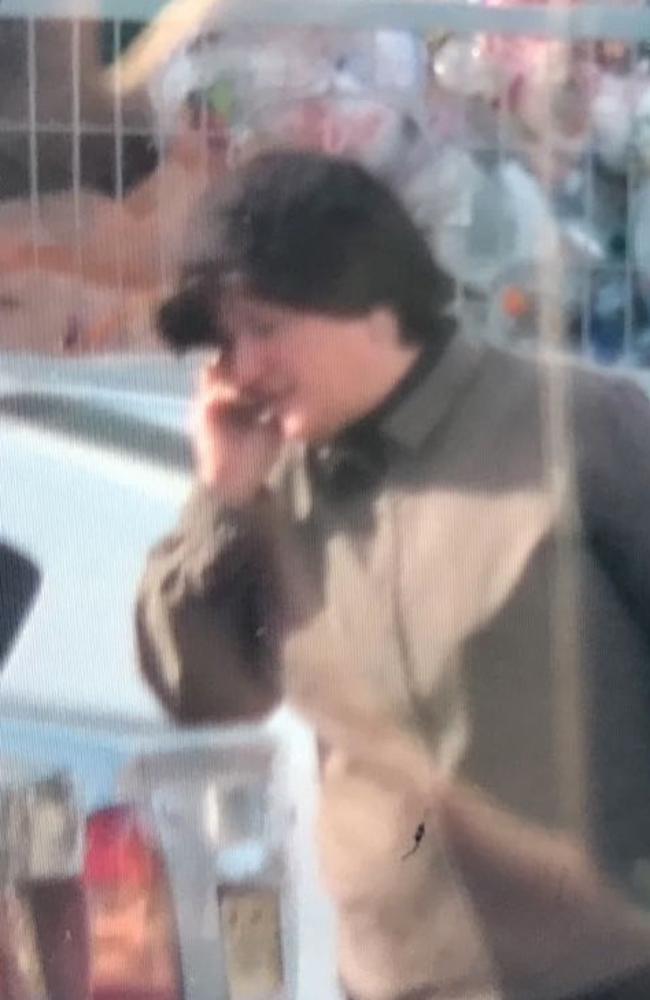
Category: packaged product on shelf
<point>503,147</point>
<point>496,217</point>
<point>606,316</point>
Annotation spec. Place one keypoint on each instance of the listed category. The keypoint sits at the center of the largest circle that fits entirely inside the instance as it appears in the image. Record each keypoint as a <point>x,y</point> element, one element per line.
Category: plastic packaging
<point>461,127</point>
<point>606,317</point>
<point>494,219</point>
<point>612,121</point>
<point>465,67</point>
<point>514,309</point>
<point>261,67</point>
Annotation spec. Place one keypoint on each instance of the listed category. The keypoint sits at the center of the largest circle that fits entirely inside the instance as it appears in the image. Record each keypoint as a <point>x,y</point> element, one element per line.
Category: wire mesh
<point>69,141</point>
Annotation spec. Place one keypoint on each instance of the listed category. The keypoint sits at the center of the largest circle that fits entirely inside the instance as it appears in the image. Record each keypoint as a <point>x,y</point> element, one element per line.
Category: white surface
<point>88,519</point>
<point>316,919</point>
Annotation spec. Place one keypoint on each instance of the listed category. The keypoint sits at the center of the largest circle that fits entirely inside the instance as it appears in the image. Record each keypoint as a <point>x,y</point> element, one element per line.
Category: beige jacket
<point>489,585</point>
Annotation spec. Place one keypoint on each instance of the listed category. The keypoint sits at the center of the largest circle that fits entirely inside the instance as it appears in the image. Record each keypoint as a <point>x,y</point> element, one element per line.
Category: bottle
<point>606,318</point>
<point>498,217</point>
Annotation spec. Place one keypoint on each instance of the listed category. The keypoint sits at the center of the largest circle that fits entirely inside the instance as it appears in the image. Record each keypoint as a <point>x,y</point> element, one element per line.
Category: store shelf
<point>584,22</point>
<point>600,193</point>
<point>612,20</point>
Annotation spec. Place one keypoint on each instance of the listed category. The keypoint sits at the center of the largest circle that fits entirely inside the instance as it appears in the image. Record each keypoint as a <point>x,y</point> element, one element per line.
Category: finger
<point>210,371</point>
<point>218,396</point>
<point>205,406</point>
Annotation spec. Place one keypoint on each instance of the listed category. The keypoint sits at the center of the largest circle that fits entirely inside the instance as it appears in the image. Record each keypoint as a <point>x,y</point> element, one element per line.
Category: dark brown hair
<point>314,233</point>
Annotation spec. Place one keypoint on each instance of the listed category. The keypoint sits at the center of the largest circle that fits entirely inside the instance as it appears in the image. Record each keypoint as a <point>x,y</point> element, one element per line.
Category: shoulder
<point>522,399</point>
<point>609,410</point>
<point>506,395</point>
<point>603,417</point>
<point>593,395</point>
<point>611,421</point>
<point>617,398</point>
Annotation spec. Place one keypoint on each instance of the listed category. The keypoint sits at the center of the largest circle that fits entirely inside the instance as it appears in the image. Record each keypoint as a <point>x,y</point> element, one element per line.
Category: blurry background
<point>510,150</point>
<point>67,151</point>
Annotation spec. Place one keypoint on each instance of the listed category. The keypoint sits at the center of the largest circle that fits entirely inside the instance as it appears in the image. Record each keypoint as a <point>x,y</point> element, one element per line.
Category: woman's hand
<point>235,446</point>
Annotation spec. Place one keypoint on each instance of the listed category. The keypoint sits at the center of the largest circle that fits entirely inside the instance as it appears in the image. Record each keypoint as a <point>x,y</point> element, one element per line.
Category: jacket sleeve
<point>205,620</point>
<point>613,450</point>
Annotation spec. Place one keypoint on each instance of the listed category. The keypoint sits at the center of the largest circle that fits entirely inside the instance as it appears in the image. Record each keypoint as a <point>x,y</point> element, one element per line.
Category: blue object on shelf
<point>606,320</point>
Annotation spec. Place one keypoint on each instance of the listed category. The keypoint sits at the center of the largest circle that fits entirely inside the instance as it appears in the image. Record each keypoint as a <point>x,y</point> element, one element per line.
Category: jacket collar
<point>417,413</point>
<point>402,424</point>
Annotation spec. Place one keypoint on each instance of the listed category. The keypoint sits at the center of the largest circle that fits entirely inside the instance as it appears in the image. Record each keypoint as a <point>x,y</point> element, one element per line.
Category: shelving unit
<point>620,21</point>
<point>110,146</point>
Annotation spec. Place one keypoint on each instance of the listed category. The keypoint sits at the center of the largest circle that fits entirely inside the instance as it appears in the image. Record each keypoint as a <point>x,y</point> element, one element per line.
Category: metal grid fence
<point>59,133</point>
